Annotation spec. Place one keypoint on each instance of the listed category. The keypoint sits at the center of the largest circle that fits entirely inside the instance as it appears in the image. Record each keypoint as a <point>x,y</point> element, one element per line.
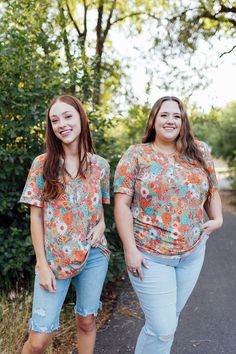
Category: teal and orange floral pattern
<point>168,196</point>
<point>69,218</point>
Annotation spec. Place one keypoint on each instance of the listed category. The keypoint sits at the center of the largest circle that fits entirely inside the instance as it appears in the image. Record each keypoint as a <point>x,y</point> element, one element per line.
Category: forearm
<point>124,225</point>
<point>37,234</point>
<point>102,219</point>
<point>214,208</point>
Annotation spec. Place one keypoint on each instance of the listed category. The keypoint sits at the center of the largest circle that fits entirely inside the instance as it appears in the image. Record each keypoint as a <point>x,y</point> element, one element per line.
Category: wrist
<point>42,264</point>
<point>219,221</point>
<point>130,248</point>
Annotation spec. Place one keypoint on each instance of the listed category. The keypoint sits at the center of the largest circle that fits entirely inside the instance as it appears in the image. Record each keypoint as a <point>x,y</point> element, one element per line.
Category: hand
<point>47,279</point>
<point>211,226</point>
<point>96,233</point>
<point>134,261</point>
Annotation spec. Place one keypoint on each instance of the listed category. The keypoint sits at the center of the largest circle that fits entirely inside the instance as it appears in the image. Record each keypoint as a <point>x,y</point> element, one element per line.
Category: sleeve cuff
<point>124,190</point>
<point>34,202</point>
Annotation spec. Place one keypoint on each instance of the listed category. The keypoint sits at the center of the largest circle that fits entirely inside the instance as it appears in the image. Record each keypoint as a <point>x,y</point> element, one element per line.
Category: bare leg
<point>86,333</point>
<point>37,343</point>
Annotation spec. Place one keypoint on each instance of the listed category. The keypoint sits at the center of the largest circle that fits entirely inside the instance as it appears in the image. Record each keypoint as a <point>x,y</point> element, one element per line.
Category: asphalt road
<point>208,322</point>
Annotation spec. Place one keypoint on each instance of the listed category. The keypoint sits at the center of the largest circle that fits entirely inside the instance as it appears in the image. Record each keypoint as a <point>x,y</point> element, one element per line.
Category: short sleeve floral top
<point>69,218</point>
<point>168,196</point>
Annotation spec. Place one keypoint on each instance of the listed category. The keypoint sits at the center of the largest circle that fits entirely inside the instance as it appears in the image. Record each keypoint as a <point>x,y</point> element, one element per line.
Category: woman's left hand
<point>96,234</point>
<point>211,226</point>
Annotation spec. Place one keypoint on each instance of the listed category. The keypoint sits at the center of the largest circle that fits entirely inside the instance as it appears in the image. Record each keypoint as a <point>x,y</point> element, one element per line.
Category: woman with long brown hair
<point>161,190</point>
<point>66,189</point>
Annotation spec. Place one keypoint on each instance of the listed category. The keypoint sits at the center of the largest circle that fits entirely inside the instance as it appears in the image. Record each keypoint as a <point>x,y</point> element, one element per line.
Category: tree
<point>201,19</point>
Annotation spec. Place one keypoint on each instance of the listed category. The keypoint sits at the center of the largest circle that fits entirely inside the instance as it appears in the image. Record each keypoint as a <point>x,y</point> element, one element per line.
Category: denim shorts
<point>88,285</point>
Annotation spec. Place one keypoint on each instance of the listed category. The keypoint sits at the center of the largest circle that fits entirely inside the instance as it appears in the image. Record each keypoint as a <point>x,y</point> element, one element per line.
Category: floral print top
<point>168,195</point>
<point>69,218</point>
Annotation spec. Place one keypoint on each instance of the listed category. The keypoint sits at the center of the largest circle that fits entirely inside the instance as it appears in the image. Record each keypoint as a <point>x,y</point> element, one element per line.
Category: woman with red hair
<point>66,189</point>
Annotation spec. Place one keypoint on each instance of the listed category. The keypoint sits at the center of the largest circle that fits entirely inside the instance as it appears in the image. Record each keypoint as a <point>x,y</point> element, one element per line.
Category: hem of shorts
<point>85,313</point>
<point>36,328</point>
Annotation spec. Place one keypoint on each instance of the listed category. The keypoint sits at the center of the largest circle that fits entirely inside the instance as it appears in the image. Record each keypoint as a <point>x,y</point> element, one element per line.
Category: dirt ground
<point>228,198</point>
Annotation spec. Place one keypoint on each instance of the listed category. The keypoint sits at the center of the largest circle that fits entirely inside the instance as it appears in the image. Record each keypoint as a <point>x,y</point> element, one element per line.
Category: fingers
<point>54,284</point>
<point>145,263</point>
<point>93,239</point>
<point>137,271</point>
<point>140,273</point>
<point>49,285</point>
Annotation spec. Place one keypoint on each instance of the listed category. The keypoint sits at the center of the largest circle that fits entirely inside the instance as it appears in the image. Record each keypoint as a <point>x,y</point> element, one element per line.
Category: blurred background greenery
<point>68,46</point>
<point>53,47</point>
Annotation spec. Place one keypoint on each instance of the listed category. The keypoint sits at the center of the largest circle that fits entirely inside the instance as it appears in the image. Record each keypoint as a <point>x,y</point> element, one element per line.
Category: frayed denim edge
<point>41,329</point>
<point>85,313</point>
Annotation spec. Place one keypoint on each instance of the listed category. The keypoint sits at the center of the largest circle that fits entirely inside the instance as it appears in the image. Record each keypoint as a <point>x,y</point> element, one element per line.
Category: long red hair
<point>185,143</point>
<point>54,150</point>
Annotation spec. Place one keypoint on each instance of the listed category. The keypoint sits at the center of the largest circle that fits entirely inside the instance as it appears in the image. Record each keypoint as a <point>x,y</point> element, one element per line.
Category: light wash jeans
<point>88,285</point>
<point>162,294</point>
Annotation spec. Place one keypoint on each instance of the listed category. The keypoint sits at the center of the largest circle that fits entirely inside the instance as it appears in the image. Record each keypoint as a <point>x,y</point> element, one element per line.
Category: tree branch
<point>132,14</point>
<point>85,18</point>
<point>227,52</point>
<point>224,9</point>
<point>72,19</point>
<point>108,26</point>
<point>207,14</point>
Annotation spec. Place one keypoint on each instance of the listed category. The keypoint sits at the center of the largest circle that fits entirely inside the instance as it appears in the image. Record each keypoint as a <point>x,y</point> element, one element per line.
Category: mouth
<point>65,132</point>
<point>170,129</point>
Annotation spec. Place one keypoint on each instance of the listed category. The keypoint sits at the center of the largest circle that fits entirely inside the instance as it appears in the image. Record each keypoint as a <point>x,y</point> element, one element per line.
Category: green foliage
<point>218,129</point>
<point>29,80</point>
<point>33,71</point>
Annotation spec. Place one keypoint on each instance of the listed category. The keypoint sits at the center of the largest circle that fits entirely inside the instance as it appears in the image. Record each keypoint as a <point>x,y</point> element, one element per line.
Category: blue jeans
<point>88,284</point>
<point>162,294</point>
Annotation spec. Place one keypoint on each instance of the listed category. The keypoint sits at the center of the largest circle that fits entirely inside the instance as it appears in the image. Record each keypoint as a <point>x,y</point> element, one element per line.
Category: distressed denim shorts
<point>88,284</point>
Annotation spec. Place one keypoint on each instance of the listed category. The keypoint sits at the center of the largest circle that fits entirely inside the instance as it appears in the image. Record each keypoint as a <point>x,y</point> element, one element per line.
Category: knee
<point>34,346</point>
<point>162,333</point>
<point>166,338</point>
<point>87,324</point>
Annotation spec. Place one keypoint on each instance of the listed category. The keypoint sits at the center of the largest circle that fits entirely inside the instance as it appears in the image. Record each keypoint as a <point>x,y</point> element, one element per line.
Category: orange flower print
<point>122,171</point>
<point>144,203</point>
<point>79,255</point>
<point>182,228</point>
<point>68,217</point>
<point>193,178</point>
<point>94,218</point>
<point>166,218</point>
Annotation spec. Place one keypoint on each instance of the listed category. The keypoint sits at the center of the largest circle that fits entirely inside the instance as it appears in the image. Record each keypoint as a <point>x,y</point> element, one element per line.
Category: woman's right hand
<point>47,279</point>
<point>134,261</point>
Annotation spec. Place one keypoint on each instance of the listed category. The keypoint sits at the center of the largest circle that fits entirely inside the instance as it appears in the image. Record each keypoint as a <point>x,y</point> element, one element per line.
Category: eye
<point>177,117</point>
<point>163,115</point>
<point>54,120</point>
<point>68,116</point>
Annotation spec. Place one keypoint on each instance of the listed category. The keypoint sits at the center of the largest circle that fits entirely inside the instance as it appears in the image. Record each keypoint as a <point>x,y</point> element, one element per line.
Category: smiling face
<point>168,122</point>
<point>66,123</point>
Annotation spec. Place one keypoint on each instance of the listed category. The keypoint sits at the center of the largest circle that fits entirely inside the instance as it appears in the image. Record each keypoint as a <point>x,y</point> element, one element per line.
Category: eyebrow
<point>169,112</point>
<point>54,115</point>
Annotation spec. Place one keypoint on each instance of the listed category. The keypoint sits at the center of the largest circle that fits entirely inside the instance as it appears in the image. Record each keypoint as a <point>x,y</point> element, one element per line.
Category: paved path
<point>208,322</point>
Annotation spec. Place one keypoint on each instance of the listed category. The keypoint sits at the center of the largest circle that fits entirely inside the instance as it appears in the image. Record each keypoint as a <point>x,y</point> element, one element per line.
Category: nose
<point>170,118</point>
<point>62,123</point>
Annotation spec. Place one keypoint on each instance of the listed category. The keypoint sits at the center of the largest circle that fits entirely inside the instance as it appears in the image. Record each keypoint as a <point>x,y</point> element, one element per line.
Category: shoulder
<point>203,147</point>
<point>39,160</point>
<point>139,149</point>
<point>99,161</point>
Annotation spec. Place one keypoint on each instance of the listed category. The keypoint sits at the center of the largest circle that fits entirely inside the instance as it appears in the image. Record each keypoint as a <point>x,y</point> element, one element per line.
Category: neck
<point>71,151</point>
<point>167,147</point>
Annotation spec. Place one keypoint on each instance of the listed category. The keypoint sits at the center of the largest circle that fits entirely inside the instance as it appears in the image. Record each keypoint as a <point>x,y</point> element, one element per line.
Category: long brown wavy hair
<point>186,145</point>
<point>54,150</point>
